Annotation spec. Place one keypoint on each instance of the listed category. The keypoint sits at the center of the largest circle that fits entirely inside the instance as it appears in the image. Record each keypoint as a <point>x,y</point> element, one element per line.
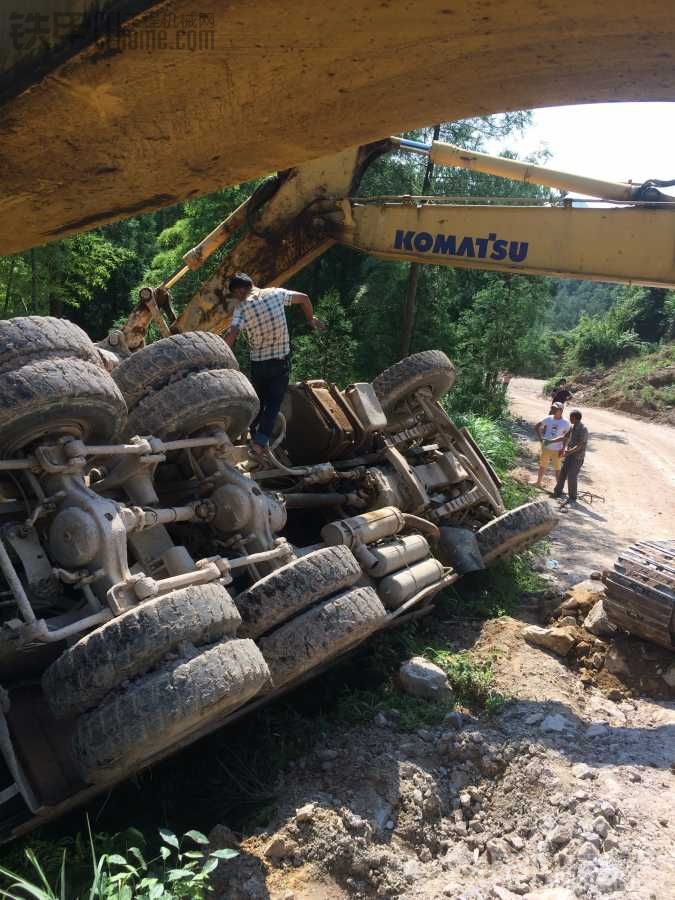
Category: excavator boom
<point>631,245</point>
<point>296,216</point>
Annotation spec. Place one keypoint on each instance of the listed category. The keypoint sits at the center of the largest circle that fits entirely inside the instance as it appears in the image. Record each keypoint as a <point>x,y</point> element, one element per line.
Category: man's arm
<point>303,301</point>
<point>537,428</point>
<point>580,445</point>
<point>230,335</point>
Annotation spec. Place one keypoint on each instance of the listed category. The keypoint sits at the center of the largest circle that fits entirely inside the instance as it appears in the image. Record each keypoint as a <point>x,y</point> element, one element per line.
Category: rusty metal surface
<point>641,591</point>
<point>120,128</point>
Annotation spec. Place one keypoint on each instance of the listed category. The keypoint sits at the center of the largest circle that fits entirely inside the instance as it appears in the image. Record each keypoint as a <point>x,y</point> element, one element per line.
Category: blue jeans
<point>270,380</point>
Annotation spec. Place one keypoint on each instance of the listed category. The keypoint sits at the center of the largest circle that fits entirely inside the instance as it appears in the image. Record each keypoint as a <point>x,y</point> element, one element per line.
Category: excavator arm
<point>297,215</point>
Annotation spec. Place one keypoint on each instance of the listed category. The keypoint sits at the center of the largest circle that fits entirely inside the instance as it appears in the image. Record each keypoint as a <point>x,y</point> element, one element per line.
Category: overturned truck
<point>156,582</point>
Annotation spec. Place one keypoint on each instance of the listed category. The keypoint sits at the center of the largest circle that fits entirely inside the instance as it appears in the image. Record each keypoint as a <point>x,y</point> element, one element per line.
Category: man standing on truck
<point>573,458</point>
<point>261,314</point>
<point>552,431</point>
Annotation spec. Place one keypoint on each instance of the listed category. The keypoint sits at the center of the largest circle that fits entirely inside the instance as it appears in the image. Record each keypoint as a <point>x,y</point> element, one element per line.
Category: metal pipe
<point>198,255</point>
<point>175,277</point>
<point>282,548</point>
<point>15,585</point>
<point>413,146</point>
<point>422,525</point>
<point>443,154</point>
<point>148,587</point>
<point>444,582</point>
<point>155,445</point>
<point>42,633</point>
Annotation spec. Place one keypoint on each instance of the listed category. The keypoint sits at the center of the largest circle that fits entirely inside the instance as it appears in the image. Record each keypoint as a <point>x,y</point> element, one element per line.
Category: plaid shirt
<point>263,317</point>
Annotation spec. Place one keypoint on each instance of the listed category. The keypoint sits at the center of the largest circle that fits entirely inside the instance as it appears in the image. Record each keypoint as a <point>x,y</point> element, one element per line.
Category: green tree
<point>329,355</point>
<point>493,335</point>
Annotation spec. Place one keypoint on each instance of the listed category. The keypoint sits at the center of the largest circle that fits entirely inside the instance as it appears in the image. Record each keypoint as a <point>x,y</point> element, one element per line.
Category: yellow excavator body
<point>159,102</point>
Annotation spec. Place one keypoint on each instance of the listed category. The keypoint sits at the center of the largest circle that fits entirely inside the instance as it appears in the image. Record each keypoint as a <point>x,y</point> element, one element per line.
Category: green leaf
<point>193,854</point>
<point>224,854</point>
<point>169,837</point>
<point>157,890</point>
<point>139,856</point>
<point>179,874</point>
<point>197,837</point>
<point>164,852</point>
<point>209,866</point>
<point>116,859</point>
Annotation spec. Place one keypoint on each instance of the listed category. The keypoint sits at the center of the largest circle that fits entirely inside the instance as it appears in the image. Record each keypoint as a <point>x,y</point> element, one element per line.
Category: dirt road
<point>629,462</point>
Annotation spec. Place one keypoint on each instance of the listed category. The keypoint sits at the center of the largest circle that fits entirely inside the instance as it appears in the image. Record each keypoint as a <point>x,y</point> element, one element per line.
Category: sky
<point>613,141</point>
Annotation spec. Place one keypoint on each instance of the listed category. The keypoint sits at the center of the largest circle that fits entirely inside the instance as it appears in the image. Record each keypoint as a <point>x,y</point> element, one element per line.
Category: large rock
<point>280,847</point>
<point>557,640</point>
<point>421,678</point>
<point>582,596</point>
<point>598,623</point>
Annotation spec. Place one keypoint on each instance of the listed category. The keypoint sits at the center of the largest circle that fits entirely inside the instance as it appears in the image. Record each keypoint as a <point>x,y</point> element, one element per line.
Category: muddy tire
<point>223,398</point>
<point>53,397</point>
<point>29,339</point>
<point>169,360</point>
<point>134,643</point>
<point>429,369</point>
<point>321,634</point>
<point>135,725</point>
<point>516,530</point>
<point>295,586</point>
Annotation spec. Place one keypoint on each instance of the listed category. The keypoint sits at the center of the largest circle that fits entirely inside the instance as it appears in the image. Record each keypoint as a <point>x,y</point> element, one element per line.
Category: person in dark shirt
<point>573,458</point>
<point>561,394</point>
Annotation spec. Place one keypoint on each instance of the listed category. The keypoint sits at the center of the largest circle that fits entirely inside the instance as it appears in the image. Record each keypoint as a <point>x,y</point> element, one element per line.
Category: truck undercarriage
<point>157,581</point>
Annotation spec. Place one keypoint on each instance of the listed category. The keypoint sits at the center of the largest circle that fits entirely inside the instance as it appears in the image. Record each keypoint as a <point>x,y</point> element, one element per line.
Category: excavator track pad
<point>641,592</point>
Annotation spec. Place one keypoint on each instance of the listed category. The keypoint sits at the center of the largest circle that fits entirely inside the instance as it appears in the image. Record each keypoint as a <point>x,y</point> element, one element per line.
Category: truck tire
<point>430,368</point>
<point>138,723</point>
<point>223,398</point>
<point>321,634</point>
<point>28,339</point>
<point>168,360</point>
<point>295,586</point>
<point>134,643</point>
<point>55,397</point>
<point>516,530</point>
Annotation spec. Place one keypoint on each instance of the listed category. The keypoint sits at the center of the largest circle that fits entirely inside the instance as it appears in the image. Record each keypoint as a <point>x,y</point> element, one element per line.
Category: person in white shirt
<point>261,314</point>
<point>553,432</point>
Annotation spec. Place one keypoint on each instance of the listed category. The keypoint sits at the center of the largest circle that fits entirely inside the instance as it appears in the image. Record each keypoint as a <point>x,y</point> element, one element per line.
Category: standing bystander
<point>573,458</point>
<point>561,393</point>
<point>551,431</point>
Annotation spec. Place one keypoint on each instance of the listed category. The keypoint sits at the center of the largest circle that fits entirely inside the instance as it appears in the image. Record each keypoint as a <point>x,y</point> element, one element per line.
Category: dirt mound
<point>643,394</point>
<point>563,794</point>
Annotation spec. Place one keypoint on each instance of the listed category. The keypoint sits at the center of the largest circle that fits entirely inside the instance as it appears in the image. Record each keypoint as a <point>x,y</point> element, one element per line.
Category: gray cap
<point>557,406</point>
